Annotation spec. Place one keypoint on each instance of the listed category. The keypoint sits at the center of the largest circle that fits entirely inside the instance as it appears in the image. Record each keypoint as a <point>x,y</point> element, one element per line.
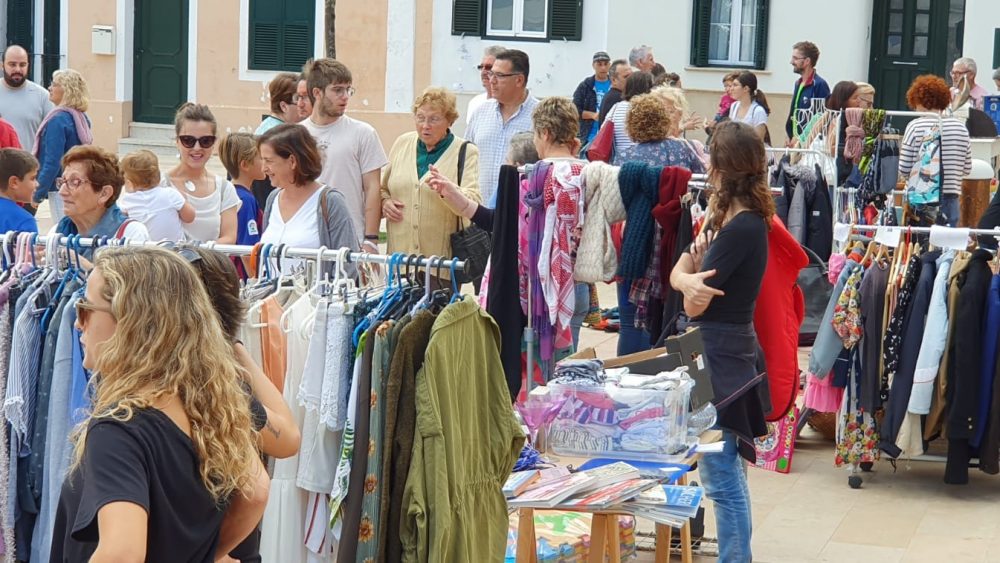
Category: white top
<point>350,149</point>
<point>157,208</point>
<point>474,104</point>
<point>617,115</point>
<point>754,117</point>
<point>301,231</point>
<point>207,223</point>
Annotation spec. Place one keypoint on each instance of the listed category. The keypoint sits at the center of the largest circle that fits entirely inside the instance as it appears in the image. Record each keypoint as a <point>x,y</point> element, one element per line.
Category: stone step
<point>161,148</point>
<point>152,131</point>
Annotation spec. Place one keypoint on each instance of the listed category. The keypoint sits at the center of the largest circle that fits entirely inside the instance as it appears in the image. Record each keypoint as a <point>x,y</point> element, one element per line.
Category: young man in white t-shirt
<point>353,156</point>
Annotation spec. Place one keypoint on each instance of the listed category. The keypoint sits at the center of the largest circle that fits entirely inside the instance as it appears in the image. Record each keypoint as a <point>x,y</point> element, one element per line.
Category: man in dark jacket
<point>620,71</point>
<point>810,86</point>
<point>589,95</point>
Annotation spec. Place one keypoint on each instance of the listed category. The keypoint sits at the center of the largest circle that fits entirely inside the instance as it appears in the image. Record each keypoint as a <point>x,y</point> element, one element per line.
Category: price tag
<point>947,237</point>
<point>888,236</point>
<point>841,232</point>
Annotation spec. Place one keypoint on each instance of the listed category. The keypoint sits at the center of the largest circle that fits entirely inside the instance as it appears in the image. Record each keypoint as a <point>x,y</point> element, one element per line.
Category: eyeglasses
<point>795,58</point>
<point>84,308</point>
<point>343,91</point>
<point>491,75</point>
<point>959,72</point>
<point>432,121</point>
<point>297,98</point>
<point>483,67</point>
<point>72,184</point>
<point>188,141</point>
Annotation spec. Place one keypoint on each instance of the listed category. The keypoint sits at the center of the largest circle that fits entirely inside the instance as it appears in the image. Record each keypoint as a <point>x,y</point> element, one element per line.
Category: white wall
<point>843,39</point>
<point>981,18</point>
<point>556,67</point>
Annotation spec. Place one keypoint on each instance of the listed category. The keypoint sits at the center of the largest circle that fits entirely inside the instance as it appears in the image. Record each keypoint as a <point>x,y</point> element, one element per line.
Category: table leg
<point>664,535</point>
<point>614,539</point>
<point>598,538</point>
<point>687,553</point>
<point>527,547</point>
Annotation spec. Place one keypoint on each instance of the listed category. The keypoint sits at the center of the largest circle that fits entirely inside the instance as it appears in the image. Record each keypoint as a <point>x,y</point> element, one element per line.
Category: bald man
<point>22,102</point>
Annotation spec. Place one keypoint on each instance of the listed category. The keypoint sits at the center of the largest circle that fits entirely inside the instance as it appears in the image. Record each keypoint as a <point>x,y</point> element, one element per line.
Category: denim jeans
<point>581,294</point>
<point>725,480</point>
<point>630,339</point>
<point>950,209</point>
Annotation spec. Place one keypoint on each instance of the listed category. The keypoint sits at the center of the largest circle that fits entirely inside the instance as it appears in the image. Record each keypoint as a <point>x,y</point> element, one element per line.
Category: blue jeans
<point>725,480</point>
<point>630,339</point>
<point>581,294</point>
<point>950,209</point>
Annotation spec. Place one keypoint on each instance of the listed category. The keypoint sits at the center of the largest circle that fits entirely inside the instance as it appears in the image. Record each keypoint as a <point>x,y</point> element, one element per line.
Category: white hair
<point>494,50</point>
<point>638,53</point>
<point>967,62</point>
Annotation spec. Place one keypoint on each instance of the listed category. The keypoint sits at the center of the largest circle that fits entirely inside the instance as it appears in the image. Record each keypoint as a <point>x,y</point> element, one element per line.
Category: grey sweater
<point>336,230</point>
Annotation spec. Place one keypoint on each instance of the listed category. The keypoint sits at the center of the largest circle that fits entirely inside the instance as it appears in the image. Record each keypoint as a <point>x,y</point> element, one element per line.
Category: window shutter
<point>19,23</point>
<point>468,17</point>
<point>760,41</point>
<point>281,34</point>
<point>566,19</point>
<point>298,32</point>
<point>701,28</point>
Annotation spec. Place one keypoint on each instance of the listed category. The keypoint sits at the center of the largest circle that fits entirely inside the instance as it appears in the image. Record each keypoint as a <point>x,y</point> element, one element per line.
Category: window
<point>729,33</point>
<point>527,19</point>
<point>282,34</point>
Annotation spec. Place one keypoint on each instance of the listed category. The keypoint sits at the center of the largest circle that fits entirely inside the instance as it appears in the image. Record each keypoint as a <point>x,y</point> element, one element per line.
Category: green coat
<point>466,444</point>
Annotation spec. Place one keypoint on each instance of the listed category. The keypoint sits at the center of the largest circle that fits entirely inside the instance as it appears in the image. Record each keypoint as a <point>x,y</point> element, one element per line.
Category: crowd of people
<point>312,176</point>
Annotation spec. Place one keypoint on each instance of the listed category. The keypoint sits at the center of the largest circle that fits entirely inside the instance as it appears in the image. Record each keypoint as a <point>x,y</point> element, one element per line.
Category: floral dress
<point>847,312</point>
<point>857,431</point>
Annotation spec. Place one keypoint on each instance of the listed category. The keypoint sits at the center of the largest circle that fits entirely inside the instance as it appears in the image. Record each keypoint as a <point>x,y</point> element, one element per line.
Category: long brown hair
<point>738,170</point>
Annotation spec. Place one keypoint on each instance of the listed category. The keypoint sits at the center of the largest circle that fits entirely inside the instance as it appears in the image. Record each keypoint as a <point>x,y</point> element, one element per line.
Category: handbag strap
<point>461,169</point>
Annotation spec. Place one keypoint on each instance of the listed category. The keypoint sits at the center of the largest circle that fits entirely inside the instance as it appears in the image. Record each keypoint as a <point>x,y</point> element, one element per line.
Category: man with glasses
<point>965,68</point>
<point>484,67</point>
<point>353,156</point>
<point>499,119</point>
<point>22,102</point>
<point>810,86</point>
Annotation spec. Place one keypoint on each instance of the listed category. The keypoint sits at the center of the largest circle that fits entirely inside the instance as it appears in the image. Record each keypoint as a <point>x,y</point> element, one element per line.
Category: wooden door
<point>161,57</point>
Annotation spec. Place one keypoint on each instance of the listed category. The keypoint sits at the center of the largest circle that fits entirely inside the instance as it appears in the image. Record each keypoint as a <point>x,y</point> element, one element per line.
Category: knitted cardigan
<point>596,258</point>
<point>639,184</point>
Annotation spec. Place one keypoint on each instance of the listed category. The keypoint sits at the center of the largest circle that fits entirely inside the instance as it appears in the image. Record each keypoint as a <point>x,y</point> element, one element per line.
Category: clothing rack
<point>323,254</point>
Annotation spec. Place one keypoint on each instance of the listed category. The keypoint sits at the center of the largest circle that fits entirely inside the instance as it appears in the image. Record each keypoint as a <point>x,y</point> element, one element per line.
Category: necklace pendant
<point>189,186</point>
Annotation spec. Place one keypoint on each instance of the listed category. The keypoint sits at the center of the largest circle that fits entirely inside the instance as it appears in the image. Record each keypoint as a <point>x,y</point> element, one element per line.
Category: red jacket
<point>8,136</point>
<point>778,316</point>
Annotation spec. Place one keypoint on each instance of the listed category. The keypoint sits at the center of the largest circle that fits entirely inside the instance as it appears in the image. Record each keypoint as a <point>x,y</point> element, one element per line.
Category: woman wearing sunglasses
<point>165,467</point>
<point>214,198</point>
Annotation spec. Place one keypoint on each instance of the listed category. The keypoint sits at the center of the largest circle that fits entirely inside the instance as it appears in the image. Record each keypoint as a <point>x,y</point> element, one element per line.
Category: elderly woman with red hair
<point>930,93</point>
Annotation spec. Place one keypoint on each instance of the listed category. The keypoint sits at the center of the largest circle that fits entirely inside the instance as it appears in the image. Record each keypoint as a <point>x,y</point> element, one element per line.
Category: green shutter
<point>20,18</point>
<point>468,17</point>
<point>760,42</point>
<point>566,19</point>
<point>701,28</point>
<point>281,34</point>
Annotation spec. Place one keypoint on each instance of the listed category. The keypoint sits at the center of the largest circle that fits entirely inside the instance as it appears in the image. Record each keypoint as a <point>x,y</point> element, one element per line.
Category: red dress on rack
<point>778,316</point>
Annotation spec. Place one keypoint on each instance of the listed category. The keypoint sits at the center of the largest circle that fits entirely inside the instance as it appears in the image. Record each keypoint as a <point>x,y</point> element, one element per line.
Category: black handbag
<point>470,244</point>
<point>816,289</point>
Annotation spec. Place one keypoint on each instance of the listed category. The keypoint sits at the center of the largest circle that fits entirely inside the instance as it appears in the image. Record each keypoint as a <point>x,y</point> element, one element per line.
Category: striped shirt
<point>956,150</point>
<point>491,134</point>
<point>617,115</point>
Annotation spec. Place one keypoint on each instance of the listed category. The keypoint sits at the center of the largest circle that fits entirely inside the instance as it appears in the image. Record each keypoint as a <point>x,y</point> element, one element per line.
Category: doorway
<point>161,60</point>
<point>910,38</point>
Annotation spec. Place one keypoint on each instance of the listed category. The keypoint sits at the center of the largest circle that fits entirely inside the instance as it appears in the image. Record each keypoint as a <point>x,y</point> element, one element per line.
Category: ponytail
<point>761,100</point>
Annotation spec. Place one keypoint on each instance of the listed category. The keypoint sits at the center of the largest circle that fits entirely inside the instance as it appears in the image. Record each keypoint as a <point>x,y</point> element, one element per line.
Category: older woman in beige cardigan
<point>419,220</point>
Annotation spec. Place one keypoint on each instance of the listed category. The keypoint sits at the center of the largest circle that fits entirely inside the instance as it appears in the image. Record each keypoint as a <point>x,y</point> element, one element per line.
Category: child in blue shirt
<point>18,181</point>
<point>238,153</point>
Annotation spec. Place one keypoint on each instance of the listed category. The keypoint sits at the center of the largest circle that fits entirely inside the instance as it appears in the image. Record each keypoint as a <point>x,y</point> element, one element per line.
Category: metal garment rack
<point>325,254</point>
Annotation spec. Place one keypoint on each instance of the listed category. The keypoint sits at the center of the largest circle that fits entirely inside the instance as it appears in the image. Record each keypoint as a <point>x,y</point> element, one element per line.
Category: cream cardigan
<point>428,221</point>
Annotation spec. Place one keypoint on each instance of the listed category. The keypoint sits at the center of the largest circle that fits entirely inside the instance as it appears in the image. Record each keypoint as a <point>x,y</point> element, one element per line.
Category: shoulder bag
<point>470,244</point>
<point>602,148</point>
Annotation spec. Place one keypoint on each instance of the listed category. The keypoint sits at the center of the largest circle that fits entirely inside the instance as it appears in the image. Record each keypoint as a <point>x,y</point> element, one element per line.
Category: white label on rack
<point>841,232</point>
<point>888,236</point>
<point>947,237</point>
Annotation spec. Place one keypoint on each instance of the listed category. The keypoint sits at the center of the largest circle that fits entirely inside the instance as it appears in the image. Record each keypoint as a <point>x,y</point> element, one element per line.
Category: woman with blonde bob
<point>65,127</point>
<point>166,466</point>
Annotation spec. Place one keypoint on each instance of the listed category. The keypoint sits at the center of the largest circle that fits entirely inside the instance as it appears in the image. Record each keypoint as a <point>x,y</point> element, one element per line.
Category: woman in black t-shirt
<point>166,467</point>
<point>720,276</point>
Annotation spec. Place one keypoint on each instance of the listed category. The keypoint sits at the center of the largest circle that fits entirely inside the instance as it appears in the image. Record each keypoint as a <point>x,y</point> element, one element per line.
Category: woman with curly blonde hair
<point>166,466</point>
<point>65,127</point>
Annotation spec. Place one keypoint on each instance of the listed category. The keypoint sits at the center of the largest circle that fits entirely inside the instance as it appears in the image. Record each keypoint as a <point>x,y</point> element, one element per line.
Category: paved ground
<point>811,514</point>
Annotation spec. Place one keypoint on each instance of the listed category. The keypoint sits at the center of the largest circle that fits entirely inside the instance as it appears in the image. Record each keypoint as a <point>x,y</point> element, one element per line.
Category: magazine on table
<point>604,497</point>
<point>551,494</point>
<point>679,500</point>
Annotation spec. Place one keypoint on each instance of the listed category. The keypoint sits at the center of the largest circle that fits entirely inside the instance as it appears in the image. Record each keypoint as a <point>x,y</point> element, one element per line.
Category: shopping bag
<point>774,451</point>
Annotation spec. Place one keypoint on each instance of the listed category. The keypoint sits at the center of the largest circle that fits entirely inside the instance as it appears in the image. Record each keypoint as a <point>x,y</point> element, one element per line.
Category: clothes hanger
<point>316,291</point>
<point>426,299</point>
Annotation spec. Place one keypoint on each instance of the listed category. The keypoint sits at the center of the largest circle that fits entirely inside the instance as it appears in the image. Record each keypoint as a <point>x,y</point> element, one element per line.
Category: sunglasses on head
<point>189,141</point>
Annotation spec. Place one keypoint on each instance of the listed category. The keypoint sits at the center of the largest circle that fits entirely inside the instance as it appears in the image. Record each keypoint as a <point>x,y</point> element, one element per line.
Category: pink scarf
<point>83,130</point>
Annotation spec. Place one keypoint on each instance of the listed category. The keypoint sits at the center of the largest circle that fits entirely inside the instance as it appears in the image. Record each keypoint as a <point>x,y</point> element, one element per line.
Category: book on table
<point>552,493</point>
<point>604,497</point>
<point>518,482</point>
<point>611,474</point>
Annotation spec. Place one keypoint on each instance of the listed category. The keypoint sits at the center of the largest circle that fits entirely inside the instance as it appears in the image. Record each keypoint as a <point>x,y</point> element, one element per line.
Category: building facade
<point>142,58</point>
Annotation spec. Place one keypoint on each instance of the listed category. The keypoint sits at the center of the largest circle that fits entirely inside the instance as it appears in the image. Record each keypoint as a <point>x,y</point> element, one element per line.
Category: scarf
<point>639,184</point>
<point>80,120</point>
<point>425,158</point>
